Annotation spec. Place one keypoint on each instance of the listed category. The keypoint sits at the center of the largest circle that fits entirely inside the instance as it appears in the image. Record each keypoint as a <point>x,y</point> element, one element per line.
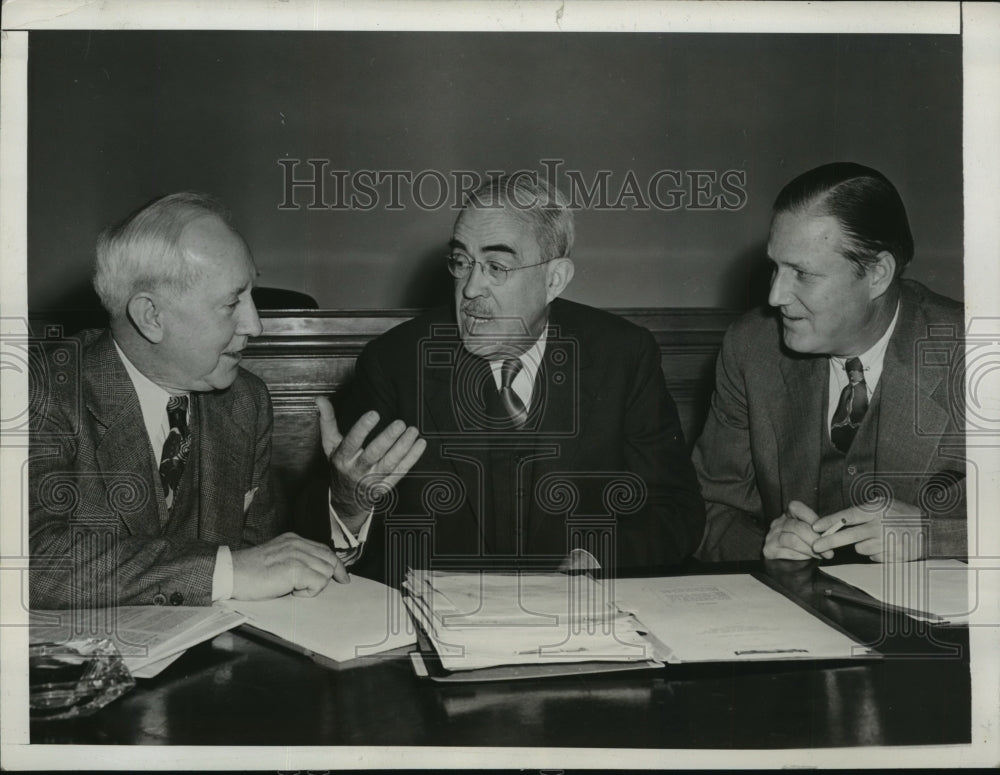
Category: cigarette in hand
<point>830,531</point>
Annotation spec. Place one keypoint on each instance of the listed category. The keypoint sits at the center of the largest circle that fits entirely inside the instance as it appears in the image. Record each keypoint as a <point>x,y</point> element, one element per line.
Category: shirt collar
<point>531,359</point>
<point>872,358</point>
<point>143,384</point>
<point>152,399</point>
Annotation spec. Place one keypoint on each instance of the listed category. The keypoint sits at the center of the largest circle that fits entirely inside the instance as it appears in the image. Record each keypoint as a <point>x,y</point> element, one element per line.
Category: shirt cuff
<point>345,544</point>
<point>222,577</point>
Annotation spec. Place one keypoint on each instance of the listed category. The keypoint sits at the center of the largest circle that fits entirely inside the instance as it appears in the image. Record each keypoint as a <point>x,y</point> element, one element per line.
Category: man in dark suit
<point>545,427</point>
<point>149,477</point>
<point>829,426</point>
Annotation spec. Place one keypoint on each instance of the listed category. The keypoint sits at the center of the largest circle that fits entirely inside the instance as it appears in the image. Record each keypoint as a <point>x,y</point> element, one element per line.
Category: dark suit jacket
<point>762,441</point>
<point>603,450</point>
<point>99,528</point>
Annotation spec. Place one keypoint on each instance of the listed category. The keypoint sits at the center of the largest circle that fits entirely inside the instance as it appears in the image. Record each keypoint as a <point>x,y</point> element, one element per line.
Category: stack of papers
<point>480,620</point>
<point>728,618</point>
<point>343,623</point>
<point>148,637</point>
<point>927,590</point>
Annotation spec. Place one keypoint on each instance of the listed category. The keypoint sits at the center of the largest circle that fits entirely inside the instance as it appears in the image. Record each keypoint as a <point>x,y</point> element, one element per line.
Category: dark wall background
<point>116,118</point>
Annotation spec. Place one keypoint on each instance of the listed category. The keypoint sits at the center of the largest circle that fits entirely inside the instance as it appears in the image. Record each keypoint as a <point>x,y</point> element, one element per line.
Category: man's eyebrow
<point>455,244</point>
<point>501,248</point>
<point>792,264</point>
<point>246,286</point>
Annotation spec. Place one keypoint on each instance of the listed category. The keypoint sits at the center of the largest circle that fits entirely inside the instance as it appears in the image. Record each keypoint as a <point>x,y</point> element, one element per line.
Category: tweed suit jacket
<point>100,531</point>
<point>762,442</point>
<point>605,446</point>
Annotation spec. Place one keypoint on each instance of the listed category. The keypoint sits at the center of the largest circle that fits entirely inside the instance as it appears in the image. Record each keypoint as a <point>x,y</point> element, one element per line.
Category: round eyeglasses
<point>460,266</point>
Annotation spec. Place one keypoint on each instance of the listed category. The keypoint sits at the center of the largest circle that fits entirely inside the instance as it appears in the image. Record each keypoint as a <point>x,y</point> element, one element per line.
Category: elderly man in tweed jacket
<point>149,477</point>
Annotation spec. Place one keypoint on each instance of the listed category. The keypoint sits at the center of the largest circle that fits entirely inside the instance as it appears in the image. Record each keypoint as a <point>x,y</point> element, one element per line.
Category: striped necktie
<point>511,402</point>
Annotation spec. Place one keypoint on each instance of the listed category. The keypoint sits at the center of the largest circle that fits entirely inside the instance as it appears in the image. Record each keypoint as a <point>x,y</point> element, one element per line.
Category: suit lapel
<point>112,401</point>
<point>805,382</point>
<point>449,395</point>
<point>912,412</point>
<point>567,386</point>
<point>222,446</point>
<point>446,389</point>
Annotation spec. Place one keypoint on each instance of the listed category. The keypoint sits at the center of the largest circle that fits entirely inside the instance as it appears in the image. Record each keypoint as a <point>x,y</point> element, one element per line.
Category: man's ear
<point>559,272</point>
<point>881,273</point>
<point>145,316</point>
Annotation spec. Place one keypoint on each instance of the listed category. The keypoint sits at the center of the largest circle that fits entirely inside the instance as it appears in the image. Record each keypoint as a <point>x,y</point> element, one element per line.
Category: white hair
<point>140,253</point>
<point>542,206</point>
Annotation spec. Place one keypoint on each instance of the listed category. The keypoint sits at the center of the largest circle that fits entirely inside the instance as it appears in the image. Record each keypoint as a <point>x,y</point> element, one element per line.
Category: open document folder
<point>936,591</point>
<point>728,618</point>
<point>344,622</point>
<point>480,620</point>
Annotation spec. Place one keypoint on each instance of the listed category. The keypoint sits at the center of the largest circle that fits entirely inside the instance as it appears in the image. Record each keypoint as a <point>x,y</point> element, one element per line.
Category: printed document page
<point>146,636</point>
<point>729,617</point>
<point>343,622</point>
<point>937,588</point>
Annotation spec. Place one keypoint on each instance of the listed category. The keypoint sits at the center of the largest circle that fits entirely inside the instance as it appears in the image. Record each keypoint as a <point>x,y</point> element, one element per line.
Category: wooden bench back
<point>306,354</point>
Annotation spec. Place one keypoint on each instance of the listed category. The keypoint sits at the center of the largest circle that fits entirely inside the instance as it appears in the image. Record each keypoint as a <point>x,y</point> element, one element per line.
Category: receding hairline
<point>530,224</point>
<point>810,213</point>
<point>146,250</point>
<point>187,232</point>
<point>195,261</point>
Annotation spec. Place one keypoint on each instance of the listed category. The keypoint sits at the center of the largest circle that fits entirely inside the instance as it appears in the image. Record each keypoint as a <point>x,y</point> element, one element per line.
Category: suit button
<point>176,598</point>
<point>520,492</point>
<point>159,599</point>
<point>852,470</point>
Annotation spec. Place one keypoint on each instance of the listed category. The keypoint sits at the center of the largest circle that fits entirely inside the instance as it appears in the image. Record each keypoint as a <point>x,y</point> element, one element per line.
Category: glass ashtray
<point>75,678</point>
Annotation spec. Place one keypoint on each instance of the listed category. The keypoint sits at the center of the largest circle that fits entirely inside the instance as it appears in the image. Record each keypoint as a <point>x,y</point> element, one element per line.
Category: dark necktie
<point>851,408</point>
<point>175,448</point>
<point>512,404</point>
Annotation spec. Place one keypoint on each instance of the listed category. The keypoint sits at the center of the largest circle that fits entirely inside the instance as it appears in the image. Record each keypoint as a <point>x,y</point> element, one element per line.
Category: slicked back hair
<point>867,206</point>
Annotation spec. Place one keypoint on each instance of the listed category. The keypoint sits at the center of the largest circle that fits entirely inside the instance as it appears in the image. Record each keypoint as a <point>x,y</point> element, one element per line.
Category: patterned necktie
<point>512,404</point>
<point>175,448</point>
<point>851,408</point>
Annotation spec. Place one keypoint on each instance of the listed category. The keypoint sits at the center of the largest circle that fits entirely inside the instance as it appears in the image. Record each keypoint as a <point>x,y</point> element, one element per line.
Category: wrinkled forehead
<point>478,227</point>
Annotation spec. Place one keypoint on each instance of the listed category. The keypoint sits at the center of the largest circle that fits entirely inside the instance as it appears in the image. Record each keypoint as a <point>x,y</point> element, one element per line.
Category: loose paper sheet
<point>729,617</point>
<point>939,588</point>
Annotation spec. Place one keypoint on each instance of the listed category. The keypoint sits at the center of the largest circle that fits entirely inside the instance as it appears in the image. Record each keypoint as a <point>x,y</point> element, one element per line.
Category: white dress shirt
<point>153,403</point>
<point>871,361</point>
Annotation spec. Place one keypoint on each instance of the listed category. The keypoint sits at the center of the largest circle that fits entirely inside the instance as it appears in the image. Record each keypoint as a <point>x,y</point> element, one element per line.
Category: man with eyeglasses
<point>544,429</point>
